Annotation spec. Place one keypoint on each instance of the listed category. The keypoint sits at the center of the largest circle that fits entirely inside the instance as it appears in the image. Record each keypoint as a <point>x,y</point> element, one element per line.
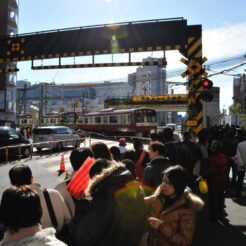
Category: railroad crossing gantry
<point>127,37</point>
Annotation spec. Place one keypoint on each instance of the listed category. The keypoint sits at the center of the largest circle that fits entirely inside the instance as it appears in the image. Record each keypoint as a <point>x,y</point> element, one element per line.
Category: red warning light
<point>207,84</point>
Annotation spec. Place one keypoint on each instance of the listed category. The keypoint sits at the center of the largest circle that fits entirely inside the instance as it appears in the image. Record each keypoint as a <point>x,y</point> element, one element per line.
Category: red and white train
<point>134,121</point>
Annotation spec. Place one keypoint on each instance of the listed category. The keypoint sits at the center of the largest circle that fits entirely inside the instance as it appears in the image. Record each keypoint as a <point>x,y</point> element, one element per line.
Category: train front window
<point>151,115</point>
<point>145,116</point>
<point>139,116</point>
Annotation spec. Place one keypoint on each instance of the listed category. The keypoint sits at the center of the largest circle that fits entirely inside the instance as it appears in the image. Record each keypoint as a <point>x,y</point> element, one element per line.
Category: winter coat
<point>34,236</point>
<point>217,172</point>
<point>59,206</point>
<point>62,188</point>
<point>240,157</point>
<point>116,213</point>
<point>152,172</point>
<point>178,220</point>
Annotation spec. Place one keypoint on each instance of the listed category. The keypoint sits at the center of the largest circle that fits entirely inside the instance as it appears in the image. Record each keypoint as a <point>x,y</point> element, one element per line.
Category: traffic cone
<point>62,166</point>
<point>67,176</point>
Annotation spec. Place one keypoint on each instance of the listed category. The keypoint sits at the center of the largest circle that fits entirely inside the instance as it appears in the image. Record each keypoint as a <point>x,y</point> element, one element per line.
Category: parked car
<point>10,137</point>
<point>55,137</point>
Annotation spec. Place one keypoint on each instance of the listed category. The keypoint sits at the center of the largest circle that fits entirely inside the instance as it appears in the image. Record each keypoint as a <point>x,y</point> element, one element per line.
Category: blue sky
<point>223,23</point>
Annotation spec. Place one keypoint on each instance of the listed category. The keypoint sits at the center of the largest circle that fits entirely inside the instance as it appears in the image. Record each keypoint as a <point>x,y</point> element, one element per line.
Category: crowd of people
<point>24,131</point>
<point>127,197</point>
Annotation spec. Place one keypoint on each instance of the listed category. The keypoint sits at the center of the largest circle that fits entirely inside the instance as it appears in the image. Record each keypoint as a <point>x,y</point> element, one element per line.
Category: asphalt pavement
<point>230,231</point>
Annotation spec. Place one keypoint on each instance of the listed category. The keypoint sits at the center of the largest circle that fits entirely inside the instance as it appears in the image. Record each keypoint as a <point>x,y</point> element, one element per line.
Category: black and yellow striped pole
<point>195,74</point>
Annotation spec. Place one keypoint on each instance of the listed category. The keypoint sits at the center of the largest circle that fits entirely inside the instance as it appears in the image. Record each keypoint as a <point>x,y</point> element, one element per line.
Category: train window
<point>113,119</point>
<point>53,121</point>
<point>123,119</point>
<point>151,116</point>
<point>129,119</point>
<point>139,116</point>
<point>86,120</point>
<point>91,120</point>
<point>98,120</point>
<point>105,120</point>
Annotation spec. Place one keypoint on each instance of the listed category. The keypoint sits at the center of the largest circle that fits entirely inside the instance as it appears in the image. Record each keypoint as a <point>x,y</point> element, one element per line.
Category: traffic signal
<point>207,84</point>
<point>207,96</point>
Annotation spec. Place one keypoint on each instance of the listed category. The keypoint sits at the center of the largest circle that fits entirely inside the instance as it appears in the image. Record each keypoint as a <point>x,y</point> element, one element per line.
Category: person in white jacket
<point>22,175</point>
<point>240,160</point>
<point>20,212</point>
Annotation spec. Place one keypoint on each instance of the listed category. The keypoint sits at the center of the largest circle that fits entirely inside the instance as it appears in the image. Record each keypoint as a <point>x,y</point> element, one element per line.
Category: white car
<point>55,137</point>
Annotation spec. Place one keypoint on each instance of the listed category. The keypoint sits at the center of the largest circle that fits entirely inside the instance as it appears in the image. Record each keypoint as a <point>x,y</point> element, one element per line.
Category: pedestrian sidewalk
<point>231,231</point>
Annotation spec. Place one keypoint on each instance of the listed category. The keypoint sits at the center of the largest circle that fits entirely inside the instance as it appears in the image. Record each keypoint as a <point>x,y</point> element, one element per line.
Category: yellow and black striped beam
<point>8,70</point>
<point>160,62</point>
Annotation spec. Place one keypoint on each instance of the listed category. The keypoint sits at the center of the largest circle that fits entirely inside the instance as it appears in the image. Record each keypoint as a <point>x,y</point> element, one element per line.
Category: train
<point>133,122</point>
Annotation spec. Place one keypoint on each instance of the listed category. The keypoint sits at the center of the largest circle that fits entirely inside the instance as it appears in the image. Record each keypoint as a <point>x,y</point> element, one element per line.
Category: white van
<point>55,137</point>
<point>171,125</point>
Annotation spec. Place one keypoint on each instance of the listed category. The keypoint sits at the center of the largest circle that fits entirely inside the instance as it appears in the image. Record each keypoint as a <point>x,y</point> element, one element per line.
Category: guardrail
<point>20,147</point>
<point>52,143</point>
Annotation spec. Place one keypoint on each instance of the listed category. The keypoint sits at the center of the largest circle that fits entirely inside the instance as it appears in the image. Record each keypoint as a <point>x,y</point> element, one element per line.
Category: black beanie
<point>178,177</point>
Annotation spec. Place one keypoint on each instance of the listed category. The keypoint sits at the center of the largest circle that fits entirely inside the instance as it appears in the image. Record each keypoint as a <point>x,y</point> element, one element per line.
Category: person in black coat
<point>116,213</point>
<point>152,175</point>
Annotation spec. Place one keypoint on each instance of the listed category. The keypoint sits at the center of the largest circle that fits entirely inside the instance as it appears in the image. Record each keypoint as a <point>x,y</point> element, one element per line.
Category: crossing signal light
<point>207,83</point>
<point>207,96</point>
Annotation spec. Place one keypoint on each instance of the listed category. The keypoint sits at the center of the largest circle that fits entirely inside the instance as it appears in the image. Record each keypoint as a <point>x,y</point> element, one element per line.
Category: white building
<point>151,80</point>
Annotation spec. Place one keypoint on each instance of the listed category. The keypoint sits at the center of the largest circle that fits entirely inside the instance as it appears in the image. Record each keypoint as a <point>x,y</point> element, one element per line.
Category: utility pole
<point>41,105</point>
<point>83,103</point>
<point>74,105</point>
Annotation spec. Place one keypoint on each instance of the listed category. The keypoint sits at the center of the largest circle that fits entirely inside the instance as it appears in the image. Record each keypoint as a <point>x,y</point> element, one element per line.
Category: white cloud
<point>226,41</point>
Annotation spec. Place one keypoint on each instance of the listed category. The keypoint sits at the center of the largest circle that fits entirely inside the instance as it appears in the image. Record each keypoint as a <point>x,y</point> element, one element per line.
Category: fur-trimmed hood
<point>41,238</point>
<point>109,179</point>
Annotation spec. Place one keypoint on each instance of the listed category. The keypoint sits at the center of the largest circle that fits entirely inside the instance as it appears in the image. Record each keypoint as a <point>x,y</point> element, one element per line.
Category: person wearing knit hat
<point>172,210</point>
<point>122,146</point>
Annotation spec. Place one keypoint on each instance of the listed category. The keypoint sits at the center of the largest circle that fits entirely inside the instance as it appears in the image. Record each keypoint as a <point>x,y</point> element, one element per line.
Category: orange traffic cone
<point>67,176</point>
<point>62,166</point>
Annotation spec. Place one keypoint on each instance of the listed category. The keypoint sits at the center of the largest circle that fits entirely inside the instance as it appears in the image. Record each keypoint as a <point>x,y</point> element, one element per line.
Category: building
<point>239,90</point>
<point>151,80</point>
<point>8,26</point>
<point>211,110</point>
<point>50,98</point>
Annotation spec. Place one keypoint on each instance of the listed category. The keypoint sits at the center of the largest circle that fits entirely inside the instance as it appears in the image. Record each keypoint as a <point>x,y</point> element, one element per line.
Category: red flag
<point>80,180</point>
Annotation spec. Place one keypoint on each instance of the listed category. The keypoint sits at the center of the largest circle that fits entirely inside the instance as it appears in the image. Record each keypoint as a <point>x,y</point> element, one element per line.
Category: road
<point>229,232</point>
